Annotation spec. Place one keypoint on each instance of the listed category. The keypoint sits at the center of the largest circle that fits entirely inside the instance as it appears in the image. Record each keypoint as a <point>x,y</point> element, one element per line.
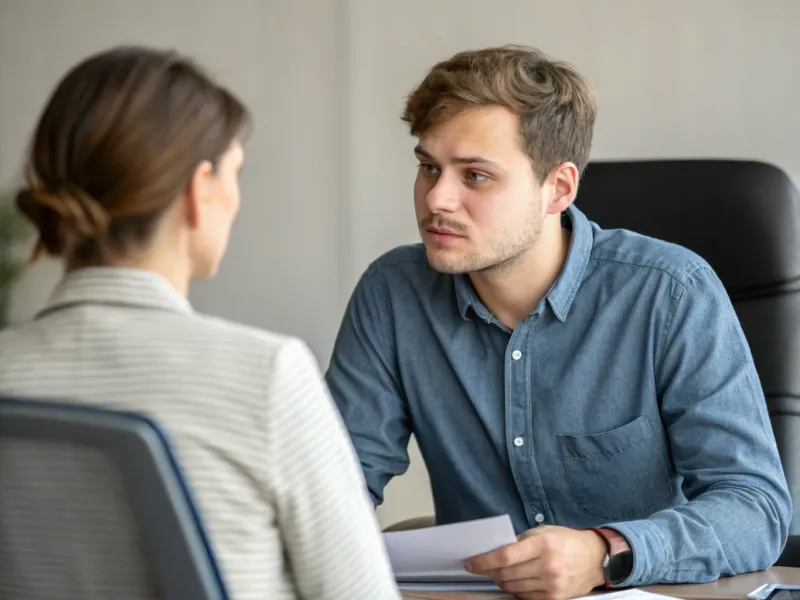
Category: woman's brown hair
<point>117,143</point>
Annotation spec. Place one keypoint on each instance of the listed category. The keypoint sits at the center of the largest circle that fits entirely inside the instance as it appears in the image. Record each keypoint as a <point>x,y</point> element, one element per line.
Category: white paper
<point>433,557</point>
<point>475,586</point>
<point>765,591</point>
<point>632,594</point>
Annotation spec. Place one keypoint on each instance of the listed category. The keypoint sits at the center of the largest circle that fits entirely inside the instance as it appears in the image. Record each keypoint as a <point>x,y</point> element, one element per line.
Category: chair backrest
<point>743,217</point>
<point>93,505</point>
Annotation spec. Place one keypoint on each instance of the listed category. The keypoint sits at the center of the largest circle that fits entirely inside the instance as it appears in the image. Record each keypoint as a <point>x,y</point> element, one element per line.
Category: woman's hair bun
<point>65,217</point>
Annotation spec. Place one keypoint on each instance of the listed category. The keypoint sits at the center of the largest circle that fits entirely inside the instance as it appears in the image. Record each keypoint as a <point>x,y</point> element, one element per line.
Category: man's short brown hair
<point>555,104</point>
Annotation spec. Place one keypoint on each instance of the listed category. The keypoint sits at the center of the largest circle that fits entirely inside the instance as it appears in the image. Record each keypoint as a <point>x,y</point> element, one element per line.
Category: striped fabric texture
<point>267,458</point>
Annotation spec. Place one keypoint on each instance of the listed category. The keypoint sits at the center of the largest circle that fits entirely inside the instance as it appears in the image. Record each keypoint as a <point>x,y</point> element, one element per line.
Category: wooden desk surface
<point>730,588</point>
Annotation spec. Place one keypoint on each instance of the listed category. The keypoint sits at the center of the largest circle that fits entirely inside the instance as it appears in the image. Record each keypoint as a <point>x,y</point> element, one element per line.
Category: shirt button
<point>516,355</point>
<point>518,441</point>
<point>539,518</point>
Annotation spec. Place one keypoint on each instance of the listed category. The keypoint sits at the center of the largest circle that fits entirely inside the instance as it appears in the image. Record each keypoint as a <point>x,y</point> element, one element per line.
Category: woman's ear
<point>198,192</point>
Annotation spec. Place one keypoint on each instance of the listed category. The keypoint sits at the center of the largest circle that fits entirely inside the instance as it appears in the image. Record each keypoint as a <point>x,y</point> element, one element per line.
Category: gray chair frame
<point>176,548</point>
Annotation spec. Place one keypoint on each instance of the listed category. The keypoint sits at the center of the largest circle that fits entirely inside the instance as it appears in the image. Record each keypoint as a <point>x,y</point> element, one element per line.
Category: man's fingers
<point>524,570</point>
<point>496,559</point>
<point>523,586</point>
<point>505,556</point>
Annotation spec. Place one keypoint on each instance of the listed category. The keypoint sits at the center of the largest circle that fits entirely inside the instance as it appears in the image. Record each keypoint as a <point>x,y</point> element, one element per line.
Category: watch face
<point>619,567</point>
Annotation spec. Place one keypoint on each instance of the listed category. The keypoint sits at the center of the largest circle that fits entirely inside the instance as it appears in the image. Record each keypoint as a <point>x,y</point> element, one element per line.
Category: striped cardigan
<point>268,460</point>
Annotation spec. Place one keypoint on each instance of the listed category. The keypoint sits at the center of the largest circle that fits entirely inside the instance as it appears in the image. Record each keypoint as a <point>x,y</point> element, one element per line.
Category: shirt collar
<point>117,285</point>
<point>562,293</point>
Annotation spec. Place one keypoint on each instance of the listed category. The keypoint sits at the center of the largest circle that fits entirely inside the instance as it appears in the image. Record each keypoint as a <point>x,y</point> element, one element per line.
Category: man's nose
<point>443,196</point>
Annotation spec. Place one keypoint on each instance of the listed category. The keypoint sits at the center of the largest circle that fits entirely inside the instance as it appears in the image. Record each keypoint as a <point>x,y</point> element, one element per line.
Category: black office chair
<point>743,217</point>
<point>93,505</point>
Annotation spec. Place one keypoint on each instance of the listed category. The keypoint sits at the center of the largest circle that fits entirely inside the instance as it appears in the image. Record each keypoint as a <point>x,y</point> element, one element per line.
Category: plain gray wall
<point>284,268</point>
<point>330,168</point>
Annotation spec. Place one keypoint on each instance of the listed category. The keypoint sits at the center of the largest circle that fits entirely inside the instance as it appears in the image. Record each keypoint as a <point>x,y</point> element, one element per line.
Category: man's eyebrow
<point>459,160</point>
<point>420,151</point>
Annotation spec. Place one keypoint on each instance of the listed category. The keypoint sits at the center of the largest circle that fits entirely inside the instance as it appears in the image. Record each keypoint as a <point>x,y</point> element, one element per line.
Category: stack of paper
<point>767,590</point>
<point>631,594</point>
<point>433,558</point>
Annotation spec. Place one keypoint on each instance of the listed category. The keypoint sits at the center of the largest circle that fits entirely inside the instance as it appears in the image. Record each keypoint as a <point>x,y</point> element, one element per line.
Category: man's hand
<point>546,563</point>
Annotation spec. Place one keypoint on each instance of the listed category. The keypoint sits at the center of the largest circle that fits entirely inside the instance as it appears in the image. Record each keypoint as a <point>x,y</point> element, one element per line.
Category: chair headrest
<point>743,217</point>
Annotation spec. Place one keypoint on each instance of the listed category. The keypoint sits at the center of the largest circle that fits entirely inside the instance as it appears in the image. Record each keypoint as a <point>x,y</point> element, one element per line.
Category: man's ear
<point>564,183</point>
<point>198,192</point>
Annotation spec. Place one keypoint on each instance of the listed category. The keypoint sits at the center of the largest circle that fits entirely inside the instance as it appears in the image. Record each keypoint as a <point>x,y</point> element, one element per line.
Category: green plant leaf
<point>13,230</point>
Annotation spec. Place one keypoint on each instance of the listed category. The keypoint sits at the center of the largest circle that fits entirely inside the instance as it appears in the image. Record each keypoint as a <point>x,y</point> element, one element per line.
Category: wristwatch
<point>618,563</point>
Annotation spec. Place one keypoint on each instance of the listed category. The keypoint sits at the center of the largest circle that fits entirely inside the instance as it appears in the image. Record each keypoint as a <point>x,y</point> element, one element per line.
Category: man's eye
<point>476,177</point>
<point>428,168</point>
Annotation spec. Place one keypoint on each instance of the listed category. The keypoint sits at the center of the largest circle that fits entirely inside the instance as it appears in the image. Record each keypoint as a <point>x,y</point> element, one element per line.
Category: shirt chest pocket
<point>618,474</point>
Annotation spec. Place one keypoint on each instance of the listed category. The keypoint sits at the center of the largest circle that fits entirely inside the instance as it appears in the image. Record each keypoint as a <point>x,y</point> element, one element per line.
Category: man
<point>569,376</point>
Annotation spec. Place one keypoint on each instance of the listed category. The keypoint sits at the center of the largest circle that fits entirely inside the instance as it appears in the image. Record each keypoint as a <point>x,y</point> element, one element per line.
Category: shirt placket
<point>518,422</point>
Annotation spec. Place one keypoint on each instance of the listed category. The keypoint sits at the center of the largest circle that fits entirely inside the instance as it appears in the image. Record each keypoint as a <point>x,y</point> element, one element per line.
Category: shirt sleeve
<point>328,526</point>
<point>364,381</point>
<point>737,516</point>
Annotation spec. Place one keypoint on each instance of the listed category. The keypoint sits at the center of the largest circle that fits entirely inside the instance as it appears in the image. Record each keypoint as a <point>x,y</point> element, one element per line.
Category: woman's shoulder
<point>275,346</point>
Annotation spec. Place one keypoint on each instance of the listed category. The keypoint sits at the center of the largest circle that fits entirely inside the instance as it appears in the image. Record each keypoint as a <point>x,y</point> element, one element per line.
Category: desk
<point>730,588</point>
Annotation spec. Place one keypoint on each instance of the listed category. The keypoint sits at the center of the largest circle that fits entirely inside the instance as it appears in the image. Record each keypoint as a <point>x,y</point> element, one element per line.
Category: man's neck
<point>511,292</point>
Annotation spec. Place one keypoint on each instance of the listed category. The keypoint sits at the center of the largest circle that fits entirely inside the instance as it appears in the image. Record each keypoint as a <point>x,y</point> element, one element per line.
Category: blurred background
<point>330,167</point>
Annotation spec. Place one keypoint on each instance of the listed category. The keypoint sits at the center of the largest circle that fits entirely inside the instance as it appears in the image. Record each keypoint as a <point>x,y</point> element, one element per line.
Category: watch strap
<point>616,543</point>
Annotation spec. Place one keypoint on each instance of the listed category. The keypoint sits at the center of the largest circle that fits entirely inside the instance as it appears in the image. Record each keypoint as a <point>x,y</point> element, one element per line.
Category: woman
<point>132,180</point>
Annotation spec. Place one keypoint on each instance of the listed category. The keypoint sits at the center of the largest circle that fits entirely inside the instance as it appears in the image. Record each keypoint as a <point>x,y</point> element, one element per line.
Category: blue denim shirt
<point>628,398</point>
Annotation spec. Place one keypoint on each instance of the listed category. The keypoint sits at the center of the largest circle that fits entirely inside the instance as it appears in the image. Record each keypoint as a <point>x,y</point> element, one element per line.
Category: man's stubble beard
<point>505,252</point>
